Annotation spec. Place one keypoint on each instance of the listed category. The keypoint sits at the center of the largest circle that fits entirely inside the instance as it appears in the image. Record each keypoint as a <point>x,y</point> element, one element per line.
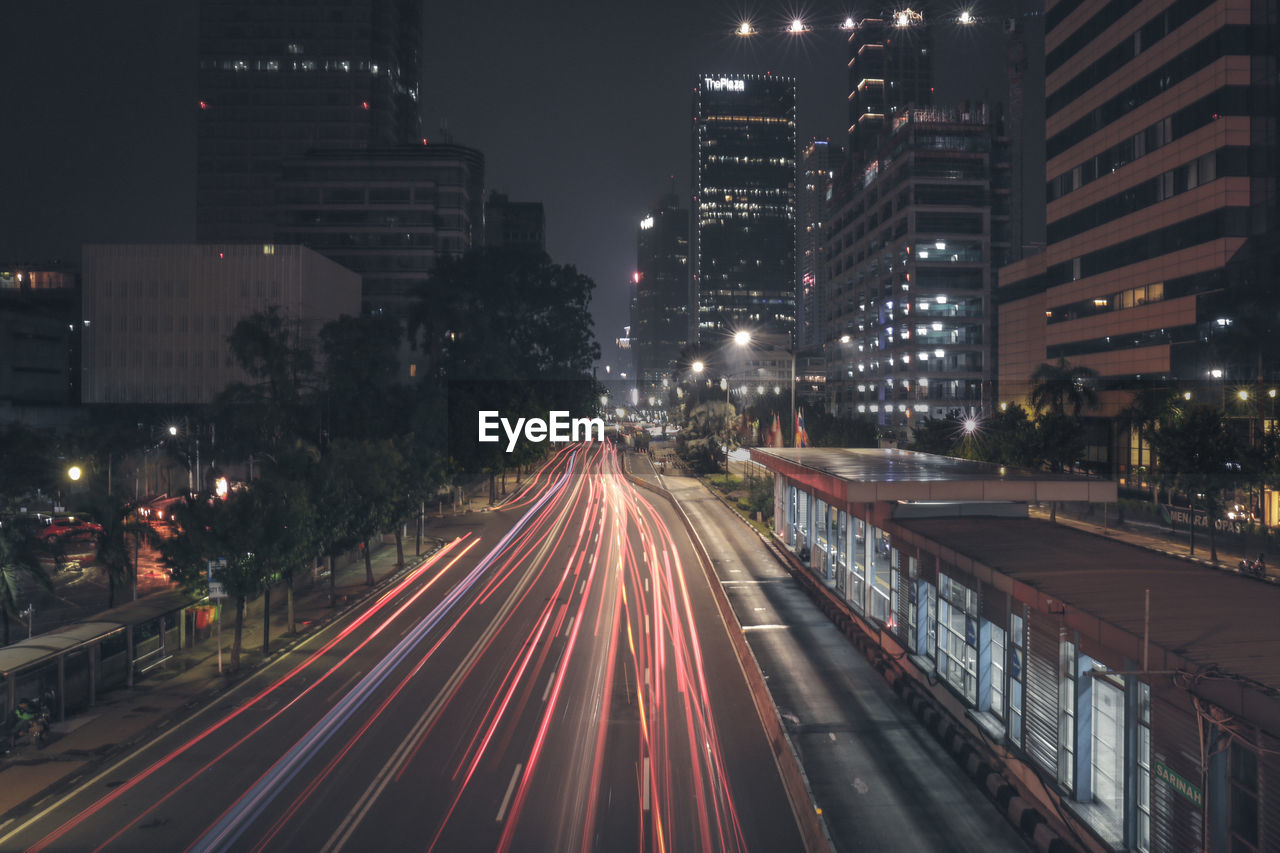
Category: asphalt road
<point>882,781</point>
<point>557,679</point>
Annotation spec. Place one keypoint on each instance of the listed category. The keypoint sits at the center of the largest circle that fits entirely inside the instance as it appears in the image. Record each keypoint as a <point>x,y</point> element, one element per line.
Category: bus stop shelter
<point>82,660</point>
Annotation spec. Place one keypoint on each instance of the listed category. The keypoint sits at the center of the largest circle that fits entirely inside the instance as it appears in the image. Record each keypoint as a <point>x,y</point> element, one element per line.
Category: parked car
<point>68,527</point>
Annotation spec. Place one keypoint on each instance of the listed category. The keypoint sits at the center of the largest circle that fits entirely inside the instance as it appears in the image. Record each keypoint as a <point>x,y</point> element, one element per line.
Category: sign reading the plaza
<point>1182,786</point>
<point>724,84</point>
<point>216,588</point>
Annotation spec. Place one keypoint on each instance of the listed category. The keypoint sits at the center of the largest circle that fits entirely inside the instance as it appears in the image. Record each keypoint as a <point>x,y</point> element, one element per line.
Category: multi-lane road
<point>558,679</point>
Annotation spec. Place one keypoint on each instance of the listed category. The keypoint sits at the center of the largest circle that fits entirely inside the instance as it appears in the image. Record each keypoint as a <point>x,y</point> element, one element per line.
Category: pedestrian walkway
<point>1153,538</point>
<point>190,678</point>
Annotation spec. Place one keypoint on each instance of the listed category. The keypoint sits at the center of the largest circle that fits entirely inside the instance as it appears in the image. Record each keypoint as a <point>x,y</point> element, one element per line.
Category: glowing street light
<point>797,26</point>
<point>74,472</point>
<point>698,366</point>
<point>966,18</point>
<point>743,339</point>
<point>745,29</point>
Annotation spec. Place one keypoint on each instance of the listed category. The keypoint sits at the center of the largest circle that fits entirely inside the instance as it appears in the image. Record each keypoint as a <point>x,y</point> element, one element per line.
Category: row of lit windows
<point>344,65</point>
<point>749,119</point>
<point>1131,298</point>
<point>740,160</point>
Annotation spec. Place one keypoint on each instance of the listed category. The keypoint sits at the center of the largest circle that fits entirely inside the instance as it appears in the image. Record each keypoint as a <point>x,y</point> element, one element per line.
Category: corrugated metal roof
<point>1207,616</point>
<point>887,474</point>
<point>33,651</point>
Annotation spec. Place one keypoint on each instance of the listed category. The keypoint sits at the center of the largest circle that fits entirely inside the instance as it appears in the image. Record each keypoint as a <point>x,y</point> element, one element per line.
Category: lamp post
<point>743,339</point>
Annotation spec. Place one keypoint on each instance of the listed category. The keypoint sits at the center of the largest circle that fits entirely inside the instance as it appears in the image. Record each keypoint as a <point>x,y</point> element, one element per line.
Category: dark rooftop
<point>1208,617</point>
<point>891,475</point>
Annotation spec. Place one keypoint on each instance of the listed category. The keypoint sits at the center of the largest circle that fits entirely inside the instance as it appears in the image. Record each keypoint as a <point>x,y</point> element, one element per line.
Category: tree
<point>273,409</point>
<point>937,435</point>
<point>19,566</point>
<point>1203,458</point>
<point>1059,387</point>
<point>212,529</point>
<point>116,549</point>
<point>359,375</point>
<point>1145,410</point>
<point>374,472</point>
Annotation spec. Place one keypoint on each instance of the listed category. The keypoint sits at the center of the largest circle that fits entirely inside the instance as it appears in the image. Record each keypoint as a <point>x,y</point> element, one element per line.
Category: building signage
<point>724,84</point>
<point>1182,517</point>
<point>1177,783</point>
<point>217,589</point>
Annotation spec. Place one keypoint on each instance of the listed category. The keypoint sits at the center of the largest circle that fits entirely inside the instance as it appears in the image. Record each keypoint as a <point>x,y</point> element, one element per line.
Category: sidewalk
<point>190,677</point>
<point>1175,545</point>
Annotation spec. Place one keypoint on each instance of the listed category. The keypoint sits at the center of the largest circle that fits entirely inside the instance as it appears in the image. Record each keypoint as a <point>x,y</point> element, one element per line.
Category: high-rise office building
<point>918,221</point>
<point>280,78</point>
<point>819,162</point>
<point>890,67</point>
<point>744,206</point>
<point>660,324</point>
<point>915,235</point>
<point>386,213</point>
<point>514,224</point>
<point>157,317</point>
<point>1161,146</point>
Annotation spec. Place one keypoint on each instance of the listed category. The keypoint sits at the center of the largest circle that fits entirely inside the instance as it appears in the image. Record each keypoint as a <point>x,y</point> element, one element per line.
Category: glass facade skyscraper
<point>744,205</point>
<point>278,79</point>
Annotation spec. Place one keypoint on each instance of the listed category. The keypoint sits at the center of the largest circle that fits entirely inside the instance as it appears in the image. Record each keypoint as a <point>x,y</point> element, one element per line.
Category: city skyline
<point>590,111</point>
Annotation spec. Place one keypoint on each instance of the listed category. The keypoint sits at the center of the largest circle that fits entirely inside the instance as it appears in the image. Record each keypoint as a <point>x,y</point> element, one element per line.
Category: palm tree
<point>19,560</point>
<point>1200,454</point>
<point>117,546</point>
<point>1060,386</point>
<point>1145,410</point>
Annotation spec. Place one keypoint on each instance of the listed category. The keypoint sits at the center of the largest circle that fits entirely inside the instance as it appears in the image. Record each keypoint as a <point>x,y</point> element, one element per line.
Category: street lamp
<point>743,339</point>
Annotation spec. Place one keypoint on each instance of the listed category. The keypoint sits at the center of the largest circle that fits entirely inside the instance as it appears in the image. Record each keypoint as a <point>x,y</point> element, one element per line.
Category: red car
<point>68,527</point>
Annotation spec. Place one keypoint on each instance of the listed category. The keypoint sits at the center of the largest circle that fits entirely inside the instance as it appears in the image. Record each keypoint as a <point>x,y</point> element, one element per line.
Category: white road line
<point>547,692</point>
<point>510,788</point>
<point>568,627</point>
<point>765,627</point>
<point>644,783</point>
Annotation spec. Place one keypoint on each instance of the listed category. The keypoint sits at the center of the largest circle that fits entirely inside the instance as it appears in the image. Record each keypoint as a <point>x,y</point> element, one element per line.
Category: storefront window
<point>1143,781</point>
<point>1017,654</point>
<point>879,574</point>
<point>958,637</point>
<point>858,579</point>
<point>1067,716</point>
<point>996,657</point>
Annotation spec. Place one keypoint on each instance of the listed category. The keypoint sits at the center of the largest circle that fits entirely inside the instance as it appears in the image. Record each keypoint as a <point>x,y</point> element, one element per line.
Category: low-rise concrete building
<point>157,317</point>
<point>1132,696</point>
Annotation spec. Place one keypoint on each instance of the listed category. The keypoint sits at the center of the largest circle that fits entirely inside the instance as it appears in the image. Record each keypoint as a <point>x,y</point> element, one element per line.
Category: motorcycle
<point>32,719</point>
<point>1257,568</point>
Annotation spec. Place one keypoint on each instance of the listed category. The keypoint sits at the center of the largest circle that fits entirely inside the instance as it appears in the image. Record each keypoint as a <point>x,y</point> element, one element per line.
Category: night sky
<point>582,107</point>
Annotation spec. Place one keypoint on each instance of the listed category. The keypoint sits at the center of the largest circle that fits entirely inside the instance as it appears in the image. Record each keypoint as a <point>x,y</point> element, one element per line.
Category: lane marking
<point>644,784</point>
<point>547,692</point>
<point>765,627</point>
<point>511,786</point>
<point>569,627</point>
